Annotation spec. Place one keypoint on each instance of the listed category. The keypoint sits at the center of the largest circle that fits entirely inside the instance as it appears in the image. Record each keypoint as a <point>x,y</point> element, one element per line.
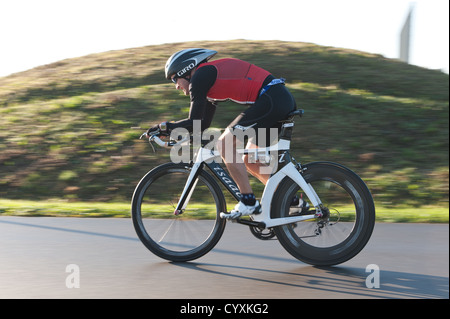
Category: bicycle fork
<point>188,188</point>
<point>203,156</point>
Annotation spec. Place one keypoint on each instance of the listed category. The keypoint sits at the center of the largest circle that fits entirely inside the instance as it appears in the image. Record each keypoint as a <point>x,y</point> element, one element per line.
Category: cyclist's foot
<point>298,207</point>
<point>242,210</point>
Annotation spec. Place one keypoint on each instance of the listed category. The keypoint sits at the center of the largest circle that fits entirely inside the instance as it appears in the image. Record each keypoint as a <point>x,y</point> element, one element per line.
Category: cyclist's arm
<point>201,108</point>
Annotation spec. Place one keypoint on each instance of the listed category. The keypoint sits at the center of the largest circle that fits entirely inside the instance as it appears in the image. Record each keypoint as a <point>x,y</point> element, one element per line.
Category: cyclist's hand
<point>160,129</point>
<point>153,130</point>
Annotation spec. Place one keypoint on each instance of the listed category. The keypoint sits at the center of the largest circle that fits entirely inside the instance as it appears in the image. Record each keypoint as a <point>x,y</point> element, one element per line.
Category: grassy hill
<point>70,129</point>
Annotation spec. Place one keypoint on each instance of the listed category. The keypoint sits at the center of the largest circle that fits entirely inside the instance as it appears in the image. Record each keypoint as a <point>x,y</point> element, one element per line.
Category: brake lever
<point>143,135</point>
<point>150,139</point>
<point>151,144</point>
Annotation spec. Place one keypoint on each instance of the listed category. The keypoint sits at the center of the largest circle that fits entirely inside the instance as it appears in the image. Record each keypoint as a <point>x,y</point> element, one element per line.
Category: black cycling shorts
<point>268,110</point>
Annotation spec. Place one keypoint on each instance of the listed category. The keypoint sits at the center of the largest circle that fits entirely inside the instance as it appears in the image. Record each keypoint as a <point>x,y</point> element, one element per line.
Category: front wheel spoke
<point>167,231</point>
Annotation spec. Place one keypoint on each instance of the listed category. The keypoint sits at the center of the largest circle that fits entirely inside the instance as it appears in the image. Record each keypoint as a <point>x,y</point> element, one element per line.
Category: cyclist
<point>207,83</point>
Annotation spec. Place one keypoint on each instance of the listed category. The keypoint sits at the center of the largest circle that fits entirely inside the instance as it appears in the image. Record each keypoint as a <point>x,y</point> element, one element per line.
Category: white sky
<point>36,32</point>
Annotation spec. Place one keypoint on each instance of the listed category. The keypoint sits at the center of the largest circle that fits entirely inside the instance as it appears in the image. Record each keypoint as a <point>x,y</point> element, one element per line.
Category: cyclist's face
<point>182,84</point>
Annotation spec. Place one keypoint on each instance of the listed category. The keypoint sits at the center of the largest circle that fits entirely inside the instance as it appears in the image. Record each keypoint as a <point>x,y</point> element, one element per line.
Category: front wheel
<point>348,222</point>
<point>184,236</point>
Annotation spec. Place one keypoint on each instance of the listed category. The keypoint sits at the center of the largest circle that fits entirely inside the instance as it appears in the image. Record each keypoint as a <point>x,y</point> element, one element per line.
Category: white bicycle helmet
<point>182,62</point>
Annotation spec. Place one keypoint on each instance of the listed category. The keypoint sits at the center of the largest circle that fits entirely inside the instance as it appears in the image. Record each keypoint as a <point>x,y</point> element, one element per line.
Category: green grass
<point>420,214</point>
<point>69,130</point>
<point>62,209</point>
<point>425,214</point>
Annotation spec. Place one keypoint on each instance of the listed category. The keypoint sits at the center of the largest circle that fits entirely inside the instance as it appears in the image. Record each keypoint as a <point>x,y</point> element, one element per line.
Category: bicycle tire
<point>153,204</point>
<point>332,244</point>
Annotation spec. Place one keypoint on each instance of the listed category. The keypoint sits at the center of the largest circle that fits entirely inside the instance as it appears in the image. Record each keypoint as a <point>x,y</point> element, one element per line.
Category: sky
<point>37,32</point>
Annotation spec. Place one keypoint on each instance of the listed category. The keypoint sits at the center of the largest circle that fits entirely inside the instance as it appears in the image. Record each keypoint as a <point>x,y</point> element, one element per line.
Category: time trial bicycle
<point>176,207</point>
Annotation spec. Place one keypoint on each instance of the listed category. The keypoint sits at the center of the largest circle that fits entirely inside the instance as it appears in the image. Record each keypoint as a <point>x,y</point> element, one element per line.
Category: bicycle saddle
<point>291,115</point>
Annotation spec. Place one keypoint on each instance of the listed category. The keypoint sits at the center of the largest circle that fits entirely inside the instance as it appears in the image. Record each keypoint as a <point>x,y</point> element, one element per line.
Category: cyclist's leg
<point>248,204</point>
<point>255,166</point>
<point>243,127</point>
<point>267,111</point>
<point>264,117</point>
<point>236,167</point>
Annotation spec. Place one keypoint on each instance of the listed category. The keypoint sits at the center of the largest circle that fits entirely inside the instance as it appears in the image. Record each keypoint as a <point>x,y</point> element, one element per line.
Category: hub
<point>324,213</point>
<point>177,212</point>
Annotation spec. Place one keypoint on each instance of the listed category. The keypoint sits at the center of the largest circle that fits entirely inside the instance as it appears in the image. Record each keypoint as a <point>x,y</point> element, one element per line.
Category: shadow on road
<point>68,230</point>
<point>343,280</point>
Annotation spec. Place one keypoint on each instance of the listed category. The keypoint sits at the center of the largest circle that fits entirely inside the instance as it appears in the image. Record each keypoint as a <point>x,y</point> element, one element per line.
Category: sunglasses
<point>175,78</point>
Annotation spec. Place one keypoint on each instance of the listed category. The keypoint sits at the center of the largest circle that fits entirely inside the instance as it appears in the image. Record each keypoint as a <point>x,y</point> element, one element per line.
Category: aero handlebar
<point>155,138</point>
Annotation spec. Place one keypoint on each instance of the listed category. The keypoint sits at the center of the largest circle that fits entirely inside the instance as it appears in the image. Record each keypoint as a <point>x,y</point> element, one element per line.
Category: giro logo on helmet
<point>185,69</point>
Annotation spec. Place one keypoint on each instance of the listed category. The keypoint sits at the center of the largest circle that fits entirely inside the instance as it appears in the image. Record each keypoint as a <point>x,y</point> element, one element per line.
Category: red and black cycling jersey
<point>236,80</point>
<point>221,80</point>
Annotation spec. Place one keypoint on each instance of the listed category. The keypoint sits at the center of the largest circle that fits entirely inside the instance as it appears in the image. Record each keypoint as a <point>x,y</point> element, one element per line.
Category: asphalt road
<point>103,258</point>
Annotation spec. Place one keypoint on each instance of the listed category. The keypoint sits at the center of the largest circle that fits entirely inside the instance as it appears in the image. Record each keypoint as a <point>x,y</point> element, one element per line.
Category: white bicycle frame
<point>205,156</point>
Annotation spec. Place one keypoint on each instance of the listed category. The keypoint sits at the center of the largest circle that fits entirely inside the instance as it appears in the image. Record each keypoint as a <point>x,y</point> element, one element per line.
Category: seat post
<point>288,125</point>
<point>286,130</point>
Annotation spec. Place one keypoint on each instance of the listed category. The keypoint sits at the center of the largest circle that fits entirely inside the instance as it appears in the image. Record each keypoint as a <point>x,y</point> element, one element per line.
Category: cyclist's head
<point>181,63</point>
